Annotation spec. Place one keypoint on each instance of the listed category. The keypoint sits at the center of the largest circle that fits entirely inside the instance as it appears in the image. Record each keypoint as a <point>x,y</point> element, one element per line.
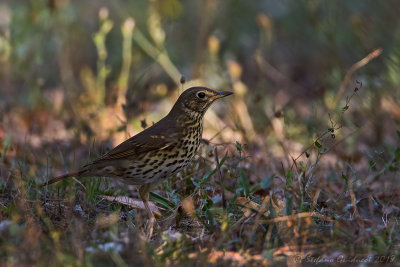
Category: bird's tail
<point>62,177</point>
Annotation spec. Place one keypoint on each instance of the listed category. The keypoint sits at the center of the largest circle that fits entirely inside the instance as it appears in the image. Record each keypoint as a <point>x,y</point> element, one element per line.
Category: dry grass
<point>291,171</point>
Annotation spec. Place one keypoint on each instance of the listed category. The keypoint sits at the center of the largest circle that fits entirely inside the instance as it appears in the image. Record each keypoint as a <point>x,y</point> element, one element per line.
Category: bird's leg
<point>144,191</point>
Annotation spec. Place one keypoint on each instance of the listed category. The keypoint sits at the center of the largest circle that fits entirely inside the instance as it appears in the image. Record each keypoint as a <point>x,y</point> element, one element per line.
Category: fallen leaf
<point>188,206</point>
<point>134,203</point>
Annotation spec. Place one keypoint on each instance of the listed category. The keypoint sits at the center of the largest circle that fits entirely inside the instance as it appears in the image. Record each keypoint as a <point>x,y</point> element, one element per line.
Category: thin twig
<point>297,216</point>
<point>352,69</point>
<point>221,180</point>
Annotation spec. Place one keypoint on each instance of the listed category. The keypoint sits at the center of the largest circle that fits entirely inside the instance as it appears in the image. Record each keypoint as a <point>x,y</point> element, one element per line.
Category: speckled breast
<point>159,165</point>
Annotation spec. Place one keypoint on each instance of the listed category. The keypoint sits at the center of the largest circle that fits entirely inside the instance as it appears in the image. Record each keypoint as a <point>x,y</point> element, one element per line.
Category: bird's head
<point>198,99</point>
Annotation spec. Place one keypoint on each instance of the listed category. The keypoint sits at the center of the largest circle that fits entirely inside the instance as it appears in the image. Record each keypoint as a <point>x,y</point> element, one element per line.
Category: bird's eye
<point>201,95</point>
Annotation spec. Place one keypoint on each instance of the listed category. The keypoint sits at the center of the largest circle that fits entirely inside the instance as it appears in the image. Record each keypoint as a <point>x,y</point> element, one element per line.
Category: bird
<point>157,152</point>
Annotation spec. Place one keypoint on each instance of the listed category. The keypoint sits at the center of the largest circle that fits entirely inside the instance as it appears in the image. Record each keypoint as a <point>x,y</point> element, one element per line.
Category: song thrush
<point>157,152</point>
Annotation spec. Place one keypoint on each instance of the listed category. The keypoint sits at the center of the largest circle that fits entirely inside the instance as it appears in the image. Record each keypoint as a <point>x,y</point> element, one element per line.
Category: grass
<point>300,166</point>
<point>316,206</point>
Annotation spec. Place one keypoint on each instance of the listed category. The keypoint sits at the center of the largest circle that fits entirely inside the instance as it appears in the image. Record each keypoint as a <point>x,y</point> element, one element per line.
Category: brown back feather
<point>159,136</point>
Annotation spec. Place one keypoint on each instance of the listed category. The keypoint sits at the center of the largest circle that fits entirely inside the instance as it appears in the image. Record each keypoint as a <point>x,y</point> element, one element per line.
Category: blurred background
<point>76,76</point>
<point>104,69</point>
<point>313,122</point>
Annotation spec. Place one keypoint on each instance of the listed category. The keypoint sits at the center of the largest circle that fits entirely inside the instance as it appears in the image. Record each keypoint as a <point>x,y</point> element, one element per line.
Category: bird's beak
<point>222,94</point>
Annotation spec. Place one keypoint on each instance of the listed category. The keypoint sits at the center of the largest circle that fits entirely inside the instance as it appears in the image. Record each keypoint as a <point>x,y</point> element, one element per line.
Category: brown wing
<point>160,136</point>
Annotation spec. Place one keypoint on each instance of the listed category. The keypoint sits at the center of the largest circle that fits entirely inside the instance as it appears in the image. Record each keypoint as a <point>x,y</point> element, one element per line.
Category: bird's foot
<point>152,225</point>
<point>150,228</point>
